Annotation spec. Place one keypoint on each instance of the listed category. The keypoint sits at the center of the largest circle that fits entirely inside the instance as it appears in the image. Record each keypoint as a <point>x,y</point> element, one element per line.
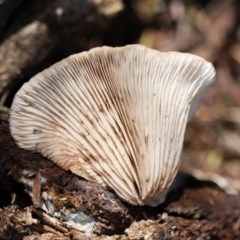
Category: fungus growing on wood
<point>116,116</point>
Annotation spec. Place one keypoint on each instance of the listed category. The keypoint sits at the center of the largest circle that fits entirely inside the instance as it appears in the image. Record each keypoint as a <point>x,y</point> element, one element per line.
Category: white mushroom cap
<point>116,116</point>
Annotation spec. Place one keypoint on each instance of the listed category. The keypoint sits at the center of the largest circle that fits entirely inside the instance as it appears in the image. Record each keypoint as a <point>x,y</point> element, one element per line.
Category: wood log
<point>41,27</point>
<point>67,205</point>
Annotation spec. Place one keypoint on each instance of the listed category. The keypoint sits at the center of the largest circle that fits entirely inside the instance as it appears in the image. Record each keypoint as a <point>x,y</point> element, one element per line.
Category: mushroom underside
<point>116,116</point>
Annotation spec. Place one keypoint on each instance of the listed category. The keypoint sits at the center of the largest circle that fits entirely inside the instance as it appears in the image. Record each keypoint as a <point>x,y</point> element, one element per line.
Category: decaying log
<point>62,193</point>
<point>24,48</point>
<point>40,27</point>
<point>67,205</point>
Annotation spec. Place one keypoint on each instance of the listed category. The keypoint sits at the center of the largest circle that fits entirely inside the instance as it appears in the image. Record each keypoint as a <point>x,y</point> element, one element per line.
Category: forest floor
<point>204,200</point>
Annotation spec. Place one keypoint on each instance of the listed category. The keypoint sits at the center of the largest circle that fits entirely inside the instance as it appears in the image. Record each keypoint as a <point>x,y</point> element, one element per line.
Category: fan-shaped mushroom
<point>115,116</point>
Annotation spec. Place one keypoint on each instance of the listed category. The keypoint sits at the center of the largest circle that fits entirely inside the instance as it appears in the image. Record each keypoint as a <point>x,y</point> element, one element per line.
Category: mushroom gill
<point>116,116</point>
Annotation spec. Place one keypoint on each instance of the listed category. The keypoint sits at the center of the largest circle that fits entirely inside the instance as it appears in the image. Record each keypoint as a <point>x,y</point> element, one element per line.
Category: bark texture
<point>69,207</point>
<point>39,29</point>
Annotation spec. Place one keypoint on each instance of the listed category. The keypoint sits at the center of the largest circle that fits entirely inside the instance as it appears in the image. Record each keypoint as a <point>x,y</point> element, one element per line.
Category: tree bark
<point>38,29</point>
<point>65,204</point>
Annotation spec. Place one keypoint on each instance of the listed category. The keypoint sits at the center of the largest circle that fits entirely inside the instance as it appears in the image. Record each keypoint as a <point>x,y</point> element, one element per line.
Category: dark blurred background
<point>35,34</point>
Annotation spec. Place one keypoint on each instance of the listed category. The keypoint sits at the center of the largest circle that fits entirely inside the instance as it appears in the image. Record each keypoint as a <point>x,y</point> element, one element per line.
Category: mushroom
<point>116,116</point>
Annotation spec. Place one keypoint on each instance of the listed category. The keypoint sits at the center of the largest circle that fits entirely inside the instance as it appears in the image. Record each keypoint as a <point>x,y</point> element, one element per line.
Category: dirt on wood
<point>40,197</point>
